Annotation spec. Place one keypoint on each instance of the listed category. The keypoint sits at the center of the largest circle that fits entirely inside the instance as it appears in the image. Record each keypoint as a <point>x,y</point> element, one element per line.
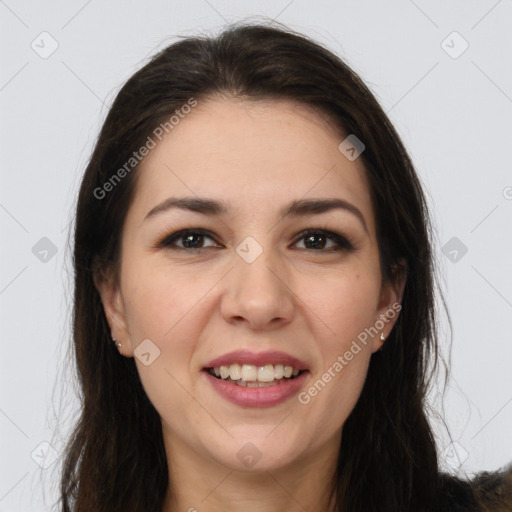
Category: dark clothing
<point>485,492</point>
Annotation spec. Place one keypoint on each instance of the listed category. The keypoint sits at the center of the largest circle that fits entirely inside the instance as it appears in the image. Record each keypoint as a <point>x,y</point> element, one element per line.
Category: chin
<point>256,454</point>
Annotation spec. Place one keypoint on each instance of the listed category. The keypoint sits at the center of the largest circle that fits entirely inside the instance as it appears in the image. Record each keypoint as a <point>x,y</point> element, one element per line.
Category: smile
<point>249,391</point>
<point>254,376</point>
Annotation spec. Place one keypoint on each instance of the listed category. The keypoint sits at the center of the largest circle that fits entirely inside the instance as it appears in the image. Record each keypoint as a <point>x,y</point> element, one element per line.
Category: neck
<point>197,483</point>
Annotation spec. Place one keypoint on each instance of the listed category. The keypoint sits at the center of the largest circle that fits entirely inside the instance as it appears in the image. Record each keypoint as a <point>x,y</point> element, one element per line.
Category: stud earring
<point>382,338</point>
<point>114,340</point>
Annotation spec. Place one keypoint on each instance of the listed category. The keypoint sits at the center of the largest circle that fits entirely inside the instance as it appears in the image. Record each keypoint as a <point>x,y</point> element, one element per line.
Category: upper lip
<point>257,359</point>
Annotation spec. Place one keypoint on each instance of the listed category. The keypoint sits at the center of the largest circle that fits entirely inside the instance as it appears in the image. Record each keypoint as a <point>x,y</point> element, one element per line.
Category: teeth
<point>278,371</point>
<point>224,372</point>
<point>266,373</point>
<point>235,372</point>
<point>249,372</point>
<point>250,375</point>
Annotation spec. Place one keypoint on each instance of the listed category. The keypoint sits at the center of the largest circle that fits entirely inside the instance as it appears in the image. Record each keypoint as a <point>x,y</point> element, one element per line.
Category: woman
<point>254,294</point>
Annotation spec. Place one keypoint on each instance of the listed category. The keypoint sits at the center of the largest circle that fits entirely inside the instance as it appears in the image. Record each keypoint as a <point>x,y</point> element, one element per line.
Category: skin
<point>197,304</point>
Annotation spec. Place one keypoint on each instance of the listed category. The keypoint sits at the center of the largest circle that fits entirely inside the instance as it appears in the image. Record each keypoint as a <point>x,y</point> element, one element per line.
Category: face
<point>251,278</point>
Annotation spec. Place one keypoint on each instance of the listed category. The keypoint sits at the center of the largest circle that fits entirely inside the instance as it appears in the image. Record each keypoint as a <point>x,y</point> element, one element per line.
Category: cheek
<point>162,306</point>
<point>335,389</point>
<point>346,303</point>
<point>159,301</point>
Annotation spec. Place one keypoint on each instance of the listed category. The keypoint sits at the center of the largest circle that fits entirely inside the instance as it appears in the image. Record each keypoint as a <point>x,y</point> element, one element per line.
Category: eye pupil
<point>188,238</point>
<point>310,238</point>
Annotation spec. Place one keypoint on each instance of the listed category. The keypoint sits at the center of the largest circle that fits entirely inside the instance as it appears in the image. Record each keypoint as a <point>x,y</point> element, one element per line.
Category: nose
<point>257,294</point>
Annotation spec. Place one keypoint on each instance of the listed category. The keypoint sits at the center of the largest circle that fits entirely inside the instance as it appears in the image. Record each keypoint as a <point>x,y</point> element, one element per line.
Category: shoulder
<point>485,492</point>
<point>493,491</point>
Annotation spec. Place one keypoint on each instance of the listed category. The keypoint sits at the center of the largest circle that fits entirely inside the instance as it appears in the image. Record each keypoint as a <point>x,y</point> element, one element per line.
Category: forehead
<point>252,153</point>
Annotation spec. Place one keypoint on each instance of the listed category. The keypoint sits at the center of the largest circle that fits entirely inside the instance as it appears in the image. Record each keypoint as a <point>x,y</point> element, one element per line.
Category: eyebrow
<point>298,208</point>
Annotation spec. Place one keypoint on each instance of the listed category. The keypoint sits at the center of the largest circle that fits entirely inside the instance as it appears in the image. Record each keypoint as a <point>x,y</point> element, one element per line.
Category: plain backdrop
<point>441,70</point>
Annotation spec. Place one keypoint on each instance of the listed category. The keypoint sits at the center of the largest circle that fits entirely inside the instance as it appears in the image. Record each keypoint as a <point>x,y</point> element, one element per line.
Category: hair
<point>115,458</point>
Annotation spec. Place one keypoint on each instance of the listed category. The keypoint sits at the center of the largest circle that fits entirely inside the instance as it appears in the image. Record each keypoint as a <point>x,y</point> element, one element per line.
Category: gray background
<point>452,110</point>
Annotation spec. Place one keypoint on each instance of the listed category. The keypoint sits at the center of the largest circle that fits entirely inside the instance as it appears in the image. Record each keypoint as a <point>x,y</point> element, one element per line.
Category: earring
<point>114,340</point>
<point>382,338</point>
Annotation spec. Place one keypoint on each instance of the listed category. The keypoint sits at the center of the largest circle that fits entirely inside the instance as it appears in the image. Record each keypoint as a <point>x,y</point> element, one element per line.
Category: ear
<point>390,303</point>
<point>111,298</point>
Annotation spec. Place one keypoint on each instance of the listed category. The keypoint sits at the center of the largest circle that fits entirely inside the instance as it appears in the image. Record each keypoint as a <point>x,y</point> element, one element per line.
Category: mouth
<point>242,386</point>
<point>256,379</point>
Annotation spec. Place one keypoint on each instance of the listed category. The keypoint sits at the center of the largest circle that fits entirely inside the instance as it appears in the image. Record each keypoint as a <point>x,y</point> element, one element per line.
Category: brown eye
<point>316,240</point>
<point>189,238</point>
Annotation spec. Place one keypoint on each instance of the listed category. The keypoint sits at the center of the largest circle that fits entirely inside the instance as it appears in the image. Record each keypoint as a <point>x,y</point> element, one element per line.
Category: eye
<point>190,238</point>
<point>317,239</point>
<point>314,240</point>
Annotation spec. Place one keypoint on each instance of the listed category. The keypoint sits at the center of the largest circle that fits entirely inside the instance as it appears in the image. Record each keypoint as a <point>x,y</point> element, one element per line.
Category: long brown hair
<point>115,458</point>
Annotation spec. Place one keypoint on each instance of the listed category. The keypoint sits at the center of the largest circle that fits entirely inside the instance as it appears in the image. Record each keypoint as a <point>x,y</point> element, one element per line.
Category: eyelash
<point>343,244</point>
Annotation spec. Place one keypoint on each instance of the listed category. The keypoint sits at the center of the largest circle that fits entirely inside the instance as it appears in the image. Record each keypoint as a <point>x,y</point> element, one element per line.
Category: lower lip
<point>257,397</point>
